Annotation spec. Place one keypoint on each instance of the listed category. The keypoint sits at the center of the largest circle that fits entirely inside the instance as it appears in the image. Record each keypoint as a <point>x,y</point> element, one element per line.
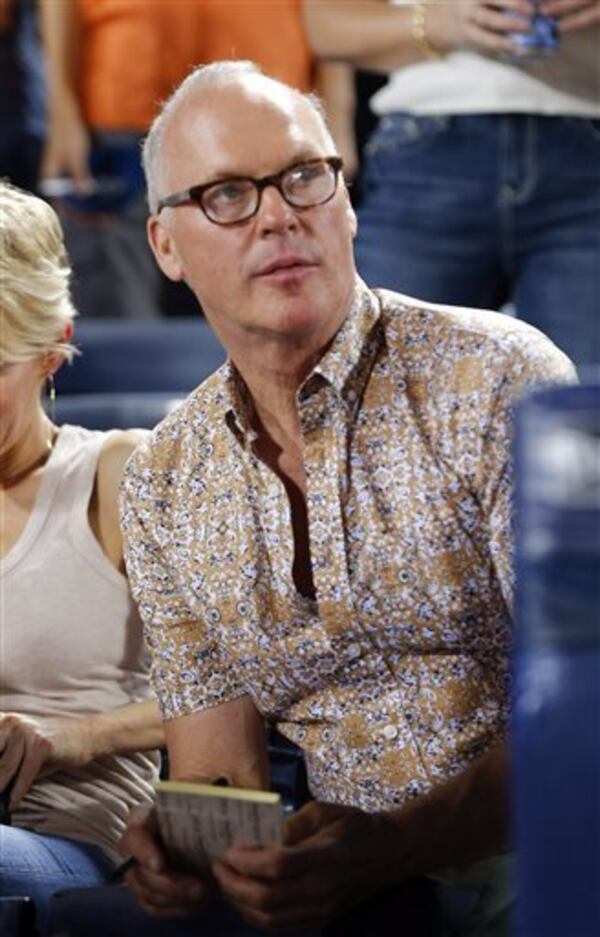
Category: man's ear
<point>352,220</point>
<point>163,248</point>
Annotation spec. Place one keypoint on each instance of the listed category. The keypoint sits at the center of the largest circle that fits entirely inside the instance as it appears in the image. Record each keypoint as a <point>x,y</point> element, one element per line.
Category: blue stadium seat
<point>136,356</point>
<point>115,411</point>
<point>556,727</point>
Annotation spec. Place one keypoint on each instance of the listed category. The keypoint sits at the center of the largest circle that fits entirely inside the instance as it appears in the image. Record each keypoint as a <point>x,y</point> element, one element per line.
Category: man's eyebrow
<point>226,175</point>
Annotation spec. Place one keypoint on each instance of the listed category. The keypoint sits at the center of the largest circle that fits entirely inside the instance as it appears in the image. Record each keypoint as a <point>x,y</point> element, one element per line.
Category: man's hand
<point>159,890</point>
<point>29,747</point>
<point>334,858</point>
<point>572,14</point>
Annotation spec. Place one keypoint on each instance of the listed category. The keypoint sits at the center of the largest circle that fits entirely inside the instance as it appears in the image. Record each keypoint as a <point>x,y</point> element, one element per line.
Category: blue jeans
<point>36,865</point>
<point>482,210</point>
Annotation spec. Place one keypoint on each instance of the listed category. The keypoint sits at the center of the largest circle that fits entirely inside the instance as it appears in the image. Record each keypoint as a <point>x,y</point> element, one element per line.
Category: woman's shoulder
<point>117,447</point>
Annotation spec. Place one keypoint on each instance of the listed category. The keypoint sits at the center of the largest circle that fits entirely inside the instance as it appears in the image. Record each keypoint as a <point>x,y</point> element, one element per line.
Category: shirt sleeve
<point>527,366</point>
<point>190,670</point>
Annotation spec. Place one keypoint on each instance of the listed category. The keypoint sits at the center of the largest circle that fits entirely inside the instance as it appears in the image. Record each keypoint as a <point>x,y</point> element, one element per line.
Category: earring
<point>51,389</point>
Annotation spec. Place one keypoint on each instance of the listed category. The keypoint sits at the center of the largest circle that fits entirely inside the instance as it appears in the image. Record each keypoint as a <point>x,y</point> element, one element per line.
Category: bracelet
<point>419,31</point>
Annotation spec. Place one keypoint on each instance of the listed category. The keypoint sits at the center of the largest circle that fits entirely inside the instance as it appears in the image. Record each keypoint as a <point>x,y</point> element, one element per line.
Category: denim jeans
<point>36,865</point>
<point>484,210</point>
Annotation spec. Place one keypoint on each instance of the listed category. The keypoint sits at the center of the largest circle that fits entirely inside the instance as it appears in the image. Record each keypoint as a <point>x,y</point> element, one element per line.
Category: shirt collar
<point>339,365</point>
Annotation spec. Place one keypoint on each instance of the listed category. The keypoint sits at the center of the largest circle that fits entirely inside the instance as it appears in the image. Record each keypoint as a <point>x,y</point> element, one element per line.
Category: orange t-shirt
<point>133,53</point>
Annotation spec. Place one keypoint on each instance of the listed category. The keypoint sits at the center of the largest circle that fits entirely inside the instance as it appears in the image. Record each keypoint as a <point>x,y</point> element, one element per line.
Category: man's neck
<point>273,372</point>
<point>274,366</point>
<point>274,401</point>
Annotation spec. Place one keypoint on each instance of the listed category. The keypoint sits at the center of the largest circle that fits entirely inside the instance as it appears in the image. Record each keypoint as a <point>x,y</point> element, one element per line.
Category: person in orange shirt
<point>108,71</point>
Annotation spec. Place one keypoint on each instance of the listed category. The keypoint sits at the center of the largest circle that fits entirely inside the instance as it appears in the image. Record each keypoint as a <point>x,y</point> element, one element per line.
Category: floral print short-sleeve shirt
<point>395,677</point>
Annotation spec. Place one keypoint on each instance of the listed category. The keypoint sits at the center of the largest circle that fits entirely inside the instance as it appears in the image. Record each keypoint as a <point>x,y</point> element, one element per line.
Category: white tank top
<point>71,645</point>
<point>565,83</point>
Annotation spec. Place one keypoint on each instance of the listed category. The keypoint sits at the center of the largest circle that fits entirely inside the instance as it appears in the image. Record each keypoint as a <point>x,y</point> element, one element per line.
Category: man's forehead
<point>250,91</point>
<point>233,122</point>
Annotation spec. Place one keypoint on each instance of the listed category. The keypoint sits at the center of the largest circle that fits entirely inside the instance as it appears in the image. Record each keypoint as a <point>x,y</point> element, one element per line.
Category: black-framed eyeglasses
<point>231,201</point>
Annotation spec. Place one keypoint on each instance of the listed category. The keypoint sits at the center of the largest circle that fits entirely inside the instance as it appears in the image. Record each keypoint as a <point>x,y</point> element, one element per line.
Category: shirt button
<point>353,651</point>
<point>390,732</point>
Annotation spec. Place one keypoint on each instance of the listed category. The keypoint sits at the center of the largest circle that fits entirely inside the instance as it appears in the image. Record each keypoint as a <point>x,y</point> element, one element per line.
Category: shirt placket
<point>324,430</point>
<point>325,461</point>
<point>277,523</point>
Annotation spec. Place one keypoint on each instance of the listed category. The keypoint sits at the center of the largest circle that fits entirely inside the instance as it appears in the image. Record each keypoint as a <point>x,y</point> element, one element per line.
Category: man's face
<point>283,275</point>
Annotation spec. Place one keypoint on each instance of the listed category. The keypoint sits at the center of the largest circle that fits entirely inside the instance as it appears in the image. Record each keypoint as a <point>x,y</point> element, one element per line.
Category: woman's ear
<point>53,361</point>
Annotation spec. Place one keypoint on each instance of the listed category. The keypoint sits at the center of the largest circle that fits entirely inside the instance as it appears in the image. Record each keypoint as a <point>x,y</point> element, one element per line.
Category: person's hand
<point>480,25</point>
<point>30,747</point>
<point>159,890</point>
<point>572,14</point>
<point>334,858</point>
<point>67,148</point>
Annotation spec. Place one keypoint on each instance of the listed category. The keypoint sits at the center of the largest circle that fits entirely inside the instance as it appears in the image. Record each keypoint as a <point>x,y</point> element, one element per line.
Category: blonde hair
<point>35,302</point>
<point>206,76</point>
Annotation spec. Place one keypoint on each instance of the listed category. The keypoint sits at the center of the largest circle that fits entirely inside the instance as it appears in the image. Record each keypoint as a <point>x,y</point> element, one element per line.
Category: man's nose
<point>274,213</point>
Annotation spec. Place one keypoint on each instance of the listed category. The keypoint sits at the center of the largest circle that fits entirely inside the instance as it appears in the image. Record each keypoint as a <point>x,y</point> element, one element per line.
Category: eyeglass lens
<point>301,186</point>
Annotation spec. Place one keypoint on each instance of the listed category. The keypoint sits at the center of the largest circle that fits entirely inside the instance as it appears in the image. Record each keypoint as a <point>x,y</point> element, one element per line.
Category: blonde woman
<point>78,730</point>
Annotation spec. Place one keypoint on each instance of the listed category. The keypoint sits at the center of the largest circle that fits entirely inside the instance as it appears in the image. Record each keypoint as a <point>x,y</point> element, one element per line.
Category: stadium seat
<point>115,411</point>
<point>556,722</point>
<point>135,356</point>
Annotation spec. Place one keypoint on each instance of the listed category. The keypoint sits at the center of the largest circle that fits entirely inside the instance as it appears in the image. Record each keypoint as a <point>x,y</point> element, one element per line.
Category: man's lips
<point>283,264</point>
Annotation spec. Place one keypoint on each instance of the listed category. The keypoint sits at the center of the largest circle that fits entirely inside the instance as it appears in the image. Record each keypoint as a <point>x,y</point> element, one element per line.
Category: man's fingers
<point>156,904</point>
<point>271,863</point>
<point>159,890</point>
<point>166,889</point>
<point>169,884</point>
<point>303,823</point>
<point>273,906</point>
<point>139,840</point>
<point>240,889</point>
<point>270,879</point>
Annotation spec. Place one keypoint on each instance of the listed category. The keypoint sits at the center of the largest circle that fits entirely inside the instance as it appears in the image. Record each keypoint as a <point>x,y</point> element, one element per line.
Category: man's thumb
<point>304,823</point>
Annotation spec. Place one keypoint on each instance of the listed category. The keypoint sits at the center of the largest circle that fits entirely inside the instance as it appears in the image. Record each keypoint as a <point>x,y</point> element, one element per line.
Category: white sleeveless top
<point>566,83</point>
<point>71,645</point>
